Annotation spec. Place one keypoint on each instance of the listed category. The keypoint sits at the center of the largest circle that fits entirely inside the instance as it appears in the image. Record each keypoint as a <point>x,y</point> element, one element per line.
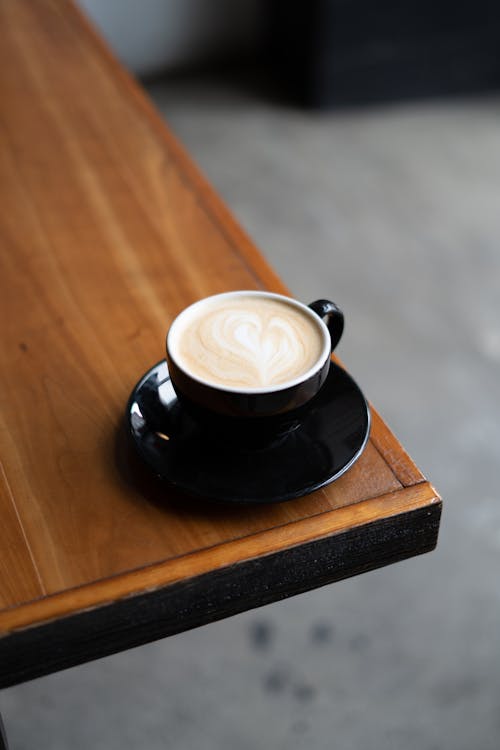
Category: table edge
<point>203,562</point>
<point>79,637</point>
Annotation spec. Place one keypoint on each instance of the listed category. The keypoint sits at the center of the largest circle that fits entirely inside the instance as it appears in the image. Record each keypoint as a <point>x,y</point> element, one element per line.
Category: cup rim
<point>325,352</point>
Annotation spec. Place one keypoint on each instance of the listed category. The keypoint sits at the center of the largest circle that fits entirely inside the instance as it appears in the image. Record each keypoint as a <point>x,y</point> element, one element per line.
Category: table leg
<point>3,736</point>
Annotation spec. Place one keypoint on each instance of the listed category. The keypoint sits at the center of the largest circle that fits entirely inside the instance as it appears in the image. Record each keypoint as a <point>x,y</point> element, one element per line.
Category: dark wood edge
<point>133,621</point>
<point>184,567</point>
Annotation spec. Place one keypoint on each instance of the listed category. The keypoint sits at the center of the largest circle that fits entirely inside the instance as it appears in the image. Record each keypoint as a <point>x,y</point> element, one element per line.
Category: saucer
<point>323,446</point>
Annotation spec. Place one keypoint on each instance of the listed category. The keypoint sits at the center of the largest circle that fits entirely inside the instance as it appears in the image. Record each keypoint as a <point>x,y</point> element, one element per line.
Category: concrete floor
<point>395,213</point>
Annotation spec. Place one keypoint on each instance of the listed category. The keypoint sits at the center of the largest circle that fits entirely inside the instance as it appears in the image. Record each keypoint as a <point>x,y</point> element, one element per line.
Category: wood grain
<point>107,231</point>
<point>18,571</point>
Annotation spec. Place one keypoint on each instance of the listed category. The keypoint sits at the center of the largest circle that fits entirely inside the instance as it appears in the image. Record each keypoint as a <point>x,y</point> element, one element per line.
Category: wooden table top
<point>107,231</point>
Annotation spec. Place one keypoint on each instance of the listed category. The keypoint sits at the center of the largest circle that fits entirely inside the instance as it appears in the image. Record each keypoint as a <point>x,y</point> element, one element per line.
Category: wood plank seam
<point>385,459</point>
<point>22,529</point>
<point>406,470</point>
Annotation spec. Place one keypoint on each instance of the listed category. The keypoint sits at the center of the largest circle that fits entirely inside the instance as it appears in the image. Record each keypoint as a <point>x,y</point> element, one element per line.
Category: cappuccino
<point>246,341</point>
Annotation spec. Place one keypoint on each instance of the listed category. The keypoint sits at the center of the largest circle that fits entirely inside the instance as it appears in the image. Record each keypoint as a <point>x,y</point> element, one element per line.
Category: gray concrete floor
<point>395,213</point>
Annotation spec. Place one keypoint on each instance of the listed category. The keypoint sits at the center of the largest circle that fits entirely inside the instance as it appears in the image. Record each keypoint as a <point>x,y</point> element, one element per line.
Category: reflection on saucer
<point>204,464</point>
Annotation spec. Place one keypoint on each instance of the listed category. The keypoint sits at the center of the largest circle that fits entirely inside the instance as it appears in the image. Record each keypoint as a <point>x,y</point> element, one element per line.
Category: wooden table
<point>107,231</point>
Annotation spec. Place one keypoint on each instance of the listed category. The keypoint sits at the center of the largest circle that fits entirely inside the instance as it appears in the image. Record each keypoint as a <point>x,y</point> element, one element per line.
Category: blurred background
<point>358,144</point>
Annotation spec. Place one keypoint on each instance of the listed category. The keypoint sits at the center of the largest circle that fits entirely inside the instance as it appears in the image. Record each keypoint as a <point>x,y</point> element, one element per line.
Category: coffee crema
<point>247,342</point>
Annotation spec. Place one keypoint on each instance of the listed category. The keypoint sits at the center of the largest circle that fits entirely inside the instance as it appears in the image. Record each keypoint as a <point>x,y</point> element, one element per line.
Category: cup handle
<point>332,316</point>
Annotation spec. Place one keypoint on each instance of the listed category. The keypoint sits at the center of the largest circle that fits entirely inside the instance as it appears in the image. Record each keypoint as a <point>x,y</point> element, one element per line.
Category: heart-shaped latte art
<point>265,350</point>
<point>250,344</point>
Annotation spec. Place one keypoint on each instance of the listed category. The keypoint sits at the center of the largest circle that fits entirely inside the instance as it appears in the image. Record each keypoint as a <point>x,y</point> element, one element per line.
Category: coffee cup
<point>251,354</point>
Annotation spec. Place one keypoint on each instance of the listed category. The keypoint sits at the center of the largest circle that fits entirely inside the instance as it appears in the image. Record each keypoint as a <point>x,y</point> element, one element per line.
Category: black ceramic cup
<point>267,406</point>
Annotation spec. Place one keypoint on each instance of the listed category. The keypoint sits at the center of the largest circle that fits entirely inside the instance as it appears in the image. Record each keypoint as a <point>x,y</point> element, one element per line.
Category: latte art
<point>248,342</point>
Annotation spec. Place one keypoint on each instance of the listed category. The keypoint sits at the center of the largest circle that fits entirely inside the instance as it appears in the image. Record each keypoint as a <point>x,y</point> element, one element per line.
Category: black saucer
<point>322,447</point>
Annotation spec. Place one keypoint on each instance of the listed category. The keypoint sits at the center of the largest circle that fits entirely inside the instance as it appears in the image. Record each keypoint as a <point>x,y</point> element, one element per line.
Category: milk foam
<point>248,342</point>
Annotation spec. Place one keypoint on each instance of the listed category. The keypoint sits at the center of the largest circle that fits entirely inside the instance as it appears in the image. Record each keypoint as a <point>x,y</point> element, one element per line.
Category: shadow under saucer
<point>211,465</point>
